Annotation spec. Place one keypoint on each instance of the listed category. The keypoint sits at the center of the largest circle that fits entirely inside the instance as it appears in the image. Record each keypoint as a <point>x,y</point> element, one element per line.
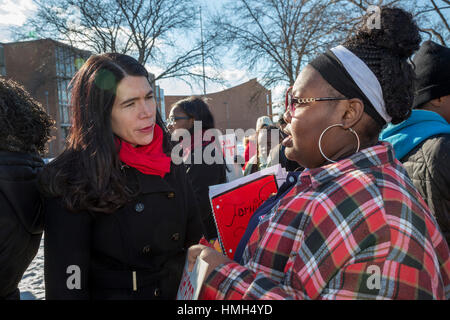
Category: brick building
<point>2,61</point>
<point>235,108</point>
<point>45,67</point>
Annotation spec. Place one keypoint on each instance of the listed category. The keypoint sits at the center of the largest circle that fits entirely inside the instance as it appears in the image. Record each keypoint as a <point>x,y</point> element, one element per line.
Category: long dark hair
<point>87,175</point>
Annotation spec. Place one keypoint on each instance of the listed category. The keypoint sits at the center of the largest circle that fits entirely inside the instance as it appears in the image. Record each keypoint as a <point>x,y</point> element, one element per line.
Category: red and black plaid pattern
<point>355,229</point>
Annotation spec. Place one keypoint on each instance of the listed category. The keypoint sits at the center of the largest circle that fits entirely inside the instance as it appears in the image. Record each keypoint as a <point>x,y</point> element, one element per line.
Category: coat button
<point>176,236</point>
<point>171,195</point>
<point>146,249</point>
<point>139,207</point>
<point>157,292</point>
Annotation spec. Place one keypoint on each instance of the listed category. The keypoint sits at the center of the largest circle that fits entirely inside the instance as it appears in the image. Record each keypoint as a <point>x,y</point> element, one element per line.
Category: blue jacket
<point>408,134</point>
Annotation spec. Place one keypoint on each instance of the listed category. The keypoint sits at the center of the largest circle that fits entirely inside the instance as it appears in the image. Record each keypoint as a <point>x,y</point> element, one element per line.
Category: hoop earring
<point>332,126</point>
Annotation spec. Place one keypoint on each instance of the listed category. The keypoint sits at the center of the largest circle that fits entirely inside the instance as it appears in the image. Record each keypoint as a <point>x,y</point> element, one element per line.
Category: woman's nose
<point>287,116</point>
<point>147,109</point>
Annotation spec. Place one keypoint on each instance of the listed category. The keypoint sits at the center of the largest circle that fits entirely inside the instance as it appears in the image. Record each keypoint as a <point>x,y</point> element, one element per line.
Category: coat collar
<point>152,183</point>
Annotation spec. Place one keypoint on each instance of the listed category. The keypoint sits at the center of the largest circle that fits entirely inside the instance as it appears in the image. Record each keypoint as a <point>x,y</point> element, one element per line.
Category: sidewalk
<point>32,284</point>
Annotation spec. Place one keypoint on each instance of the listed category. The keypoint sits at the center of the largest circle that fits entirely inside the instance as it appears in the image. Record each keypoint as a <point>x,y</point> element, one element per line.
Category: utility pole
<point>203,52</point>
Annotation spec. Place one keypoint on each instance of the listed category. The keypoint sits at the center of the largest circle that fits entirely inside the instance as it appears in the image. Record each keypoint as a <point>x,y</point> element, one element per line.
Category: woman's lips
<point>287,142</point>
<point>147,129</point>
<point>287,129</point>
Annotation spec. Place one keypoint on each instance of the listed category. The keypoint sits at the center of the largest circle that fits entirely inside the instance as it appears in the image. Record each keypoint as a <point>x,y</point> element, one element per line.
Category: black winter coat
<point>137,252</point>
<point>20,218</point>
<point>428,165</point>
<point>202,176</point>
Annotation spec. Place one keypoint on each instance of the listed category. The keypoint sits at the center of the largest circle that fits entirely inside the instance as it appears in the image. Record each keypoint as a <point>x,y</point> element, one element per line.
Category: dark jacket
<point>422,144</point>
<point>137,252</point>
<point>20,218</point>
<point>202,176</point>
<point>428,165</point>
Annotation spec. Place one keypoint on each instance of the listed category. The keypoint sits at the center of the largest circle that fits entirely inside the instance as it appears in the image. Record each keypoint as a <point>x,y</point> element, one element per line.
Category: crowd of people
<point>364,212</point>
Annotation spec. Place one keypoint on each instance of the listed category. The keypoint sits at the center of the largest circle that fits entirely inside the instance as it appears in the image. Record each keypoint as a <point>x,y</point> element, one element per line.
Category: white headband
<point>364,78</point>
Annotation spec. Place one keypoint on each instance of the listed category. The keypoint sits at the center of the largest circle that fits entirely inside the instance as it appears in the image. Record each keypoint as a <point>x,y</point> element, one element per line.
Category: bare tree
<point>142,28</point>
<point>432,16</point>
<point>439,27</point>
<point>276,36</point>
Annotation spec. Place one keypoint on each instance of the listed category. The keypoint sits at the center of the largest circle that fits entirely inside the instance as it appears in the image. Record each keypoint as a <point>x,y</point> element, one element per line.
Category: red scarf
<point>148,159</point>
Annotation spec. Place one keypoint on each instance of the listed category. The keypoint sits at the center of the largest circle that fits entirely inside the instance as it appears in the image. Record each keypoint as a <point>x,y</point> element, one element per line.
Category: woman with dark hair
<point>24,132</point>
<point>118,214</point>
<point>353,226</point>
<point>202,175</point>
<point>190,109</point>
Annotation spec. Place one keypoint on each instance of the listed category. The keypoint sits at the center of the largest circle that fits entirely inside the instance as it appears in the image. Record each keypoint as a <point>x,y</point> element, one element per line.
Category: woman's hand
<point>209,255</point>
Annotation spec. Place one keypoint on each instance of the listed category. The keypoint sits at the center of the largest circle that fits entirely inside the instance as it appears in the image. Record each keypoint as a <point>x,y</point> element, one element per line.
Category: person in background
<point>264,145</point>
<point>24,132</point>
<point>202,175</point>
<point>422,142</point>
<point>251,142</point>
<point>281,124</point>
<point>119,215</point>
<point>277,155</point>
<point>353,226</point>
<point>246,142</point>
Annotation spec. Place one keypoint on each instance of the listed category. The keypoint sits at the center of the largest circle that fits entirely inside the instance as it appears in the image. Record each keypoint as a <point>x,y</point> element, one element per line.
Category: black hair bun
<point>397,32</point>
<point>385,48</point>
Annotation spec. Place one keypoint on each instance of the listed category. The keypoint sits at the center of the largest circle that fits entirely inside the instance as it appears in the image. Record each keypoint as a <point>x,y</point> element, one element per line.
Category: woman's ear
<point>354,109</point>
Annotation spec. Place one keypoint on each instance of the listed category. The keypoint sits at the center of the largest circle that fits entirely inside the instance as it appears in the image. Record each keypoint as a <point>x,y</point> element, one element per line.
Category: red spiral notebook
<point>233,209</point>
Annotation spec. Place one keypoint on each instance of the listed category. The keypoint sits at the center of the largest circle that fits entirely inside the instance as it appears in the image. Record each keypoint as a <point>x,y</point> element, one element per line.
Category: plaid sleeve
<point>404,268</point>
<point>234,282</point>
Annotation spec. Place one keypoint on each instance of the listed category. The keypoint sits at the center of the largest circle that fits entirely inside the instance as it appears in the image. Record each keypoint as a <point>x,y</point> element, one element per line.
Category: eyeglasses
<point>172,120</point>
<point>291,103</point>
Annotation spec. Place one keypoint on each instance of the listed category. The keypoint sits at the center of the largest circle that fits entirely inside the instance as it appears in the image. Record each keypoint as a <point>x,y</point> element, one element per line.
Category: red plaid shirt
<point>355,229</point>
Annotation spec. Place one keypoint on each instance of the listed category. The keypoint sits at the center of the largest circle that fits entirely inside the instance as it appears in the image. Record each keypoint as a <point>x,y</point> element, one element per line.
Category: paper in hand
<point>191,282</point>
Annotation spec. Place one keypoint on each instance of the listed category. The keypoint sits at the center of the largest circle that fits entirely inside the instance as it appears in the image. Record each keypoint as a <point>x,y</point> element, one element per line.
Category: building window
<point>2,61</point>
<point>63,100</point>
<point>157,97</point>
<point>66,67</point>
<point>65,132</point>
<point>66,61</point>
<point>163,104</point>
